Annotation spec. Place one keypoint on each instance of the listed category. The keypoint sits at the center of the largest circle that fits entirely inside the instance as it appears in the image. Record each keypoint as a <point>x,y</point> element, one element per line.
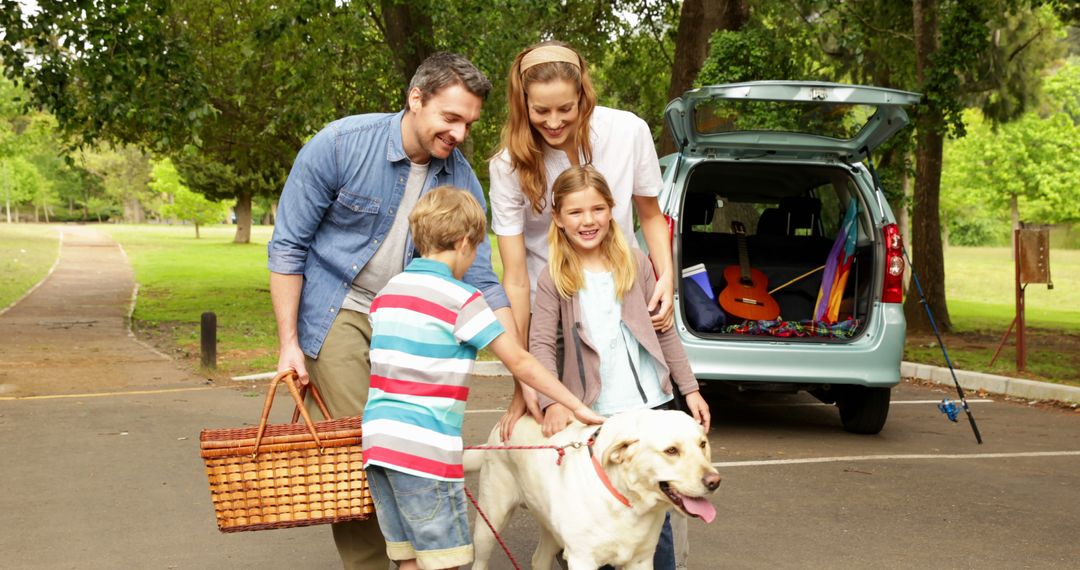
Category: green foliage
<point>1022,43</point>
<point>110,70</point>
<point>30,136</point>
<point>1063,91</point>
<point>972,226</point>
<point>635,73</point>
<point>749,55</point>
<point>22,180</point>
<point>231,90</point>
<point>186,205</point>
<point>125,176</point>
<point>1031,160</point>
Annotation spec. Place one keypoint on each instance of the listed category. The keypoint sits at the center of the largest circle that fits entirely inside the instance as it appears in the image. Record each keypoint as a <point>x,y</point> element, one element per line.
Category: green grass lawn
<point>979,283</point>
<point>181,277</point>
<point>27,251</point>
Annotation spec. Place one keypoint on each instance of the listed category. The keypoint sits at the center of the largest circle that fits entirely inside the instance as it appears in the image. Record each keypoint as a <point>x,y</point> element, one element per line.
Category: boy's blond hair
<point>445,215</point>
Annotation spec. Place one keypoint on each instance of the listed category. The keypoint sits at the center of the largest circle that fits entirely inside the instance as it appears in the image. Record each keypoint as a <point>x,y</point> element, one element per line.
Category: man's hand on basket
<point>292,357</point>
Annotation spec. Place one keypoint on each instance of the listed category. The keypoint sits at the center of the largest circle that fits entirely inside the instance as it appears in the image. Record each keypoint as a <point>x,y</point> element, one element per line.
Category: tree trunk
<point>133,211</point>
<point>243,218</point>
<point>411,37</point>
<point>926,214</point>
<point>196,231</point>
<point>697,22</point>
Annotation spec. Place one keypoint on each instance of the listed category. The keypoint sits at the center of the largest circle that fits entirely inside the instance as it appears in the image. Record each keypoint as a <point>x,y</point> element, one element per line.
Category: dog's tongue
<point>699,507</point>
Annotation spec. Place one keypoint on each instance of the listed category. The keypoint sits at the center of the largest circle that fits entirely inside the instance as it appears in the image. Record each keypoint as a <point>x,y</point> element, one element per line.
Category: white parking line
<point>778,405</point>
<point>811,404</point>
<point>895,457</point>
<point>936,402</point>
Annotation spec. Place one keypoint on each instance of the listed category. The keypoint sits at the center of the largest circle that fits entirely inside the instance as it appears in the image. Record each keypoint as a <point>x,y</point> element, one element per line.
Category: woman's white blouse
<point>623,152</point>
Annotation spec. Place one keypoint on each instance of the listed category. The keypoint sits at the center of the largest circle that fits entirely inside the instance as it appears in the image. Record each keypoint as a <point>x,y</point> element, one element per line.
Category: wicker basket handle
<point>318,402</point>
<point>291,384</point>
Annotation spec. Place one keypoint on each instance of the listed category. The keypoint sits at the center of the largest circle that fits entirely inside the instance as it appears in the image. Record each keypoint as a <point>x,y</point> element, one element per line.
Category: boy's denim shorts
<point>425,519</point>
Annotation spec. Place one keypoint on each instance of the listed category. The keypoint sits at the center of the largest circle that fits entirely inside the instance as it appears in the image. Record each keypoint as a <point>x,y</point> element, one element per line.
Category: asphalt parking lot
<point>114,479</point>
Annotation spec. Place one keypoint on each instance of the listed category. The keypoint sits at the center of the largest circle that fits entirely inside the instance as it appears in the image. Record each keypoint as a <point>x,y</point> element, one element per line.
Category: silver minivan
<point>792,260</point>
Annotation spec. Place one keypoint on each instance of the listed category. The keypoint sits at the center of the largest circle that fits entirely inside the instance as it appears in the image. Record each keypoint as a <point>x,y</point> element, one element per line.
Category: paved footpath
<point>71,335</point>
<point>99,435</point>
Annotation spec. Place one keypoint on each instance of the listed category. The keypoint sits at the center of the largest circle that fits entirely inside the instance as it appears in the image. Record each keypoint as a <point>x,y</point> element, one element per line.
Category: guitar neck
<point>744,260</point>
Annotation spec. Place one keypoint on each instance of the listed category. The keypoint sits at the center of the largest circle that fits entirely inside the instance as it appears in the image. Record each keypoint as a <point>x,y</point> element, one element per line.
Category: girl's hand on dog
<point>556,418</point>
<point>585,415</point>
<point>699,409</point>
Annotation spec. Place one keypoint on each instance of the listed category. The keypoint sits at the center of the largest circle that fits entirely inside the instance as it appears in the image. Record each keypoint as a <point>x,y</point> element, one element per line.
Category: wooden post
<point>208,329</point>
<point>1021,351</point>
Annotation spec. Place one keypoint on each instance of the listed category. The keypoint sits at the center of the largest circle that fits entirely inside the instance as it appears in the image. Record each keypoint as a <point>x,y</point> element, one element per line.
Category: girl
<point>595,291</point>
<point>554,123</point>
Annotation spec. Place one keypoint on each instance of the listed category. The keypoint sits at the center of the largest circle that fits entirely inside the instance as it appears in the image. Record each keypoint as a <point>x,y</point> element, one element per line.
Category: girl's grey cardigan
<point>581,369</point>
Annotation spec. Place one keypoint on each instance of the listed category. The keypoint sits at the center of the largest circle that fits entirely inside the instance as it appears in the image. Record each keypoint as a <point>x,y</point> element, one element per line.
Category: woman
<point>554,123</point>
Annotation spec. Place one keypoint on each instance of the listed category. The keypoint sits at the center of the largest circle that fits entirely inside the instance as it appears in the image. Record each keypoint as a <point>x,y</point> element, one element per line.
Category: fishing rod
<point>946,406</point>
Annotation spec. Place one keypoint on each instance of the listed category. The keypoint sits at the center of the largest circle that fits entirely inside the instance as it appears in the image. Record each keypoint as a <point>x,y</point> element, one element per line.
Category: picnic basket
<point>286,475</point>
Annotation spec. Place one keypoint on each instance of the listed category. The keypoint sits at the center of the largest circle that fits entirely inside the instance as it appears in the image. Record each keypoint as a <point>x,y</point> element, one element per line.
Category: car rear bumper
<point>871,359</point>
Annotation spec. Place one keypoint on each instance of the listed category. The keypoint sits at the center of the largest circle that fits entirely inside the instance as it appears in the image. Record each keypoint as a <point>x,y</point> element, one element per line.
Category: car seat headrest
<point>803,216</point>
<point>773,222</point>
<point>698,208</point>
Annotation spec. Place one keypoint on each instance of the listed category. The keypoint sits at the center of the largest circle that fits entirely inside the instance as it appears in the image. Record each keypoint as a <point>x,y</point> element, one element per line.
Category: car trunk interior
<point>790,216</point>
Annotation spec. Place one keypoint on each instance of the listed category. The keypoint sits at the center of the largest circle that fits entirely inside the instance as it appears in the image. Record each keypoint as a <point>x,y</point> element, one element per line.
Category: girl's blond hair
<point>563,261</point>
<point>525,144</point>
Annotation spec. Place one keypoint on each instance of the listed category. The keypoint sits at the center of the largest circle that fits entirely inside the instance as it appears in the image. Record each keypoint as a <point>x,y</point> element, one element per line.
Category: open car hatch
<point>792,119</point>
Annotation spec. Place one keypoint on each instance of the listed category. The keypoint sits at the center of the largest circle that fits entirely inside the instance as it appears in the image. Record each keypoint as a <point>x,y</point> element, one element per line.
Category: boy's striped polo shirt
<point>426,328</point>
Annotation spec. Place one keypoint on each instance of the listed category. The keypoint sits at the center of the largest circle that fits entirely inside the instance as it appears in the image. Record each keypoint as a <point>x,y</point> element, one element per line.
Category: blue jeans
<point>664,557</point>
<point>421,518</point>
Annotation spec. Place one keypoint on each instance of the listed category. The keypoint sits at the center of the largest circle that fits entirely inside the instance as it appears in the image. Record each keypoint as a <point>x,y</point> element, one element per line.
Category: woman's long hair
<point>563,260</point>
<point>525,144</point>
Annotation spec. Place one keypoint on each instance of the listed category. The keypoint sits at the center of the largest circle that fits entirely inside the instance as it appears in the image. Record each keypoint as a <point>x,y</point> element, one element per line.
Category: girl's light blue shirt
<point>618,349</point>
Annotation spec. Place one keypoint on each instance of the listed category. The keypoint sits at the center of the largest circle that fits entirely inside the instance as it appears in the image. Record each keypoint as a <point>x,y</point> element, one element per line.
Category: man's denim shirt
<point>338,205</point>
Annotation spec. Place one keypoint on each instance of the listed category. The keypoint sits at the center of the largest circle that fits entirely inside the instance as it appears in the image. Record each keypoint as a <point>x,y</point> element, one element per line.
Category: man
<point>342,231</point>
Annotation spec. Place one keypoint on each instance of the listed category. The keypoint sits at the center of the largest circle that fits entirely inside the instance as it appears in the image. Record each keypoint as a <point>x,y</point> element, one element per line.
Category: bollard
<point>209,340</point>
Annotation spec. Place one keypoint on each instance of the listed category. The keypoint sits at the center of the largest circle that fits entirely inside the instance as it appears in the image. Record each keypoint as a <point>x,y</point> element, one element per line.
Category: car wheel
<point>864,410</point>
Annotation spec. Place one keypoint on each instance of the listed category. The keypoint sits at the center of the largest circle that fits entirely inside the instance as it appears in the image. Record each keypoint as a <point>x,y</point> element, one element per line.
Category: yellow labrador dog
<point>606,502</point>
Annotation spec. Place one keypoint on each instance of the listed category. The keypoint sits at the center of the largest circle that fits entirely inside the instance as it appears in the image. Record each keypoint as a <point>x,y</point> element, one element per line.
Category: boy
<point>427,327</point>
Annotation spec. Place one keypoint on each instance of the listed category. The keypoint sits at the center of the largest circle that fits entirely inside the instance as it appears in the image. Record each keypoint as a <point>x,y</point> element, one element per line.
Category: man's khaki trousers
<point>342,374</point>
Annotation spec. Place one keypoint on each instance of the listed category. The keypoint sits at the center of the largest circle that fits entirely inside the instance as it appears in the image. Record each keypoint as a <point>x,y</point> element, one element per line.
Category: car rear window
<point>840,121</point>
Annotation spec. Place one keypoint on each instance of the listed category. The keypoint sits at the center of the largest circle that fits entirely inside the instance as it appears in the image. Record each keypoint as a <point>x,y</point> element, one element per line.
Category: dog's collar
<point>601,473</point>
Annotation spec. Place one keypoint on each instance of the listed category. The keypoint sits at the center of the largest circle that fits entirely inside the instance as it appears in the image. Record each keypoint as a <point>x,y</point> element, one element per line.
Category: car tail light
<point>892,290</point>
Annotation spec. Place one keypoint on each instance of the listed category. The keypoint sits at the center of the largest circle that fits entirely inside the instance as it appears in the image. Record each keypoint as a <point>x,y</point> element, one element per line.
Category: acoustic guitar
<point>746,294</point>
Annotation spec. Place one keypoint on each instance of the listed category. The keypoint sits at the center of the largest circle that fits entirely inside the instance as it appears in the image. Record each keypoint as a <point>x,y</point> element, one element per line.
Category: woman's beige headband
<point>547,54</point>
